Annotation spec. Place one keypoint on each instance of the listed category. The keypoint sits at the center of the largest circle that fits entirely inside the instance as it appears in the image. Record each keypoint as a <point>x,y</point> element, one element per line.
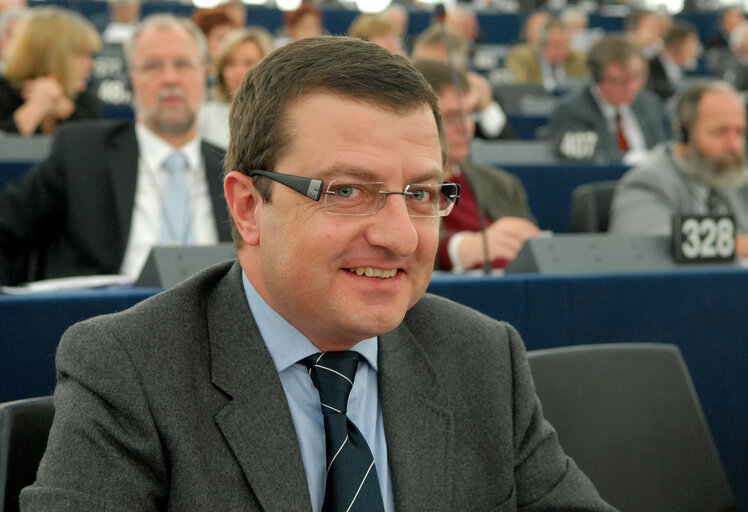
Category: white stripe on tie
<point>360,486</point>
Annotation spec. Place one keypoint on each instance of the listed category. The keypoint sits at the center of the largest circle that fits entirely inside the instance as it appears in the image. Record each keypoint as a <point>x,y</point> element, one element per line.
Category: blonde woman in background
<point>242,49</point>
<point>48,61</point>
<point>379,30</point>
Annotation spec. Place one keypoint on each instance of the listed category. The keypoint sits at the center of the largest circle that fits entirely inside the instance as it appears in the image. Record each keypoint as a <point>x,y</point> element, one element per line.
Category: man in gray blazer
<point>93,205</point>
<point>701,172</point>
<point>200,398</point>
<point>614,118</point>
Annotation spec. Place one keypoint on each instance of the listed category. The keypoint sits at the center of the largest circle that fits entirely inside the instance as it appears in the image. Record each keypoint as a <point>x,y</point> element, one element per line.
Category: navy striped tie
<point>352,482</point>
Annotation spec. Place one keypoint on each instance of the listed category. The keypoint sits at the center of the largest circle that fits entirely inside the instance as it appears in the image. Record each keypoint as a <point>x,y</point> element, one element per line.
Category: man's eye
<point>345,191</point>
<point>421,194</point>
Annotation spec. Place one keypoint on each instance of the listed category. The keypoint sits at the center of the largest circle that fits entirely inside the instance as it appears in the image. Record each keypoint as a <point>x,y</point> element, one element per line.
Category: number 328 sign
<point>703,238</point>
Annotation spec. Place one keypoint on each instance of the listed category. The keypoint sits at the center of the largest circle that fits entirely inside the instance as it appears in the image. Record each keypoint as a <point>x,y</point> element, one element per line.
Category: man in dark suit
<point>679,55</point>
<point>614,118</point>
<point>210,396</point>
<point>94,206</point>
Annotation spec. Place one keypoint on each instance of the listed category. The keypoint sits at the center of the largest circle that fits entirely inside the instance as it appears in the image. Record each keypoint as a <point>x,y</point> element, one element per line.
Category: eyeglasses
<point>182,66</point>
<point>359,199</point>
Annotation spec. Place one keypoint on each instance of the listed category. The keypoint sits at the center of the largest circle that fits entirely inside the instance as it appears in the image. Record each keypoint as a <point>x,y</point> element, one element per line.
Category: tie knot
<point>332,374</point>
<point>175,163</point>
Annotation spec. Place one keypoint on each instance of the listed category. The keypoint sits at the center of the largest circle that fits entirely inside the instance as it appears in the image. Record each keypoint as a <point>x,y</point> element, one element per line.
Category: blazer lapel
<point>419,431</point>
<point>213,157</point>
<point>256,422</point>
<point>122,167</point>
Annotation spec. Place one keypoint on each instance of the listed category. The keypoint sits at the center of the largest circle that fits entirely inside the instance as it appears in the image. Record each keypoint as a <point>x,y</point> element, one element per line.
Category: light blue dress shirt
<point>287,347</point>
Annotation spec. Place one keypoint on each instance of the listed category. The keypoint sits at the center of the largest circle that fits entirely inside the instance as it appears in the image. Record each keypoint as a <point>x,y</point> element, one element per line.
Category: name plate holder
<point>703,238</point>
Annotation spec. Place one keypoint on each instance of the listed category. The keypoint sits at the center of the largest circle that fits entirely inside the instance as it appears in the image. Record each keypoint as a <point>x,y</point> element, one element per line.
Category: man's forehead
<point>719,105</point>
<point>170,32</point>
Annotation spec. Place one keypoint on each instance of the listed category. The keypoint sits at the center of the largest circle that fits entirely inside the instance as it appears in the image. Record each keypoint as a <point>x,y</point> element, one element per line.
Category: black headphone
<point>681,131</point>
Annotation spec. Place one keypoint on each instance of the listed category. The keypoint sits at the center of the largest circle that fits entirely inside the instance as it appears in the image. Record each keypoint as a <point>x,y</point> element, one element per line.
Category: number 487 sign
<point>703,238</point>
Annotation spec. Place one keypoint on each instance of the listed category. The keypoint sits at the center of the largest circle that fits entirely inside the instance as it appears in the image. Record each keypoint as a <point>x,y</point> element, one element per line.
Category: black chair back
<point>24,428</point>
<point>628,414</point>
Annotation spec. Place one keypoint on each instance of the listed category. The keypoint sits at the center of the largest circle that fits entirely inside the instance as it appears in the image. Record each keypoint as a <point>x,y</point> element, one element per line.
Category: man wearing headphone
<point>614,119</point>
<point>702,171</point>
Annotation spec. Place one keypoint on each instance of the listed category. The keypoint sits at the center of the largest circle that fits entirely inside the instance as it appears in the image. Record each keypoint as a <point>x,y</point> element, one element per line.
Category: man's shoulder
<point>523,52</point>
<point>97,128</point>
<point>574,98</point>
<point>175,308</point>
<point>656,167</point>
<point>648,102</point>
<point>449,317</point>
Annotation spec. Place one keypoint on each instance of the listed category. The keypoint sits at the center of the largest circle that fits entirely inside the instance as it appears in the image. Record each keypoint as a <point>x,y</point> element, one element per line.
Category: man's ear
<point>243,201</point>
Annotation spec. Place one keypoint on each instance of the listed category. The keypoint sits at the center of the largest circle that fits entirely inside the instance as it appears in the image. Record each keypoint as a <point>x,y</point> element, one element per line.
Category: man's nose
<point>392,227</point>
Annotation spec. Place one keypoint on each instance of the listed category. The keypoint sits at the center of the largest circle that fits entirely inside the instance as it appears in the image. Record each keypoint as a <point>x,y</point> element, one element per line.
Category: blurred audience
<point>614,118</point>
<point>305,21</point>
<point>242,49</point>
<point>400,17</point>
<point>236,10</point>
<point>377,29</point>
<point>8,23</point>
<point>735,67</point>
<point>680,54</point>
<point>551,62</point>
<point>532,25</point>
<point>215,24</point>
<point>123,16</point>
<point>645,29</point>
<point>491,194</point>
<point>718,46</point>
<point>577,21</point>
<point>447,46</point>
<point>701,172</point>
<point>111,190</point>
<point>47,66</point>
<point>464,21</point>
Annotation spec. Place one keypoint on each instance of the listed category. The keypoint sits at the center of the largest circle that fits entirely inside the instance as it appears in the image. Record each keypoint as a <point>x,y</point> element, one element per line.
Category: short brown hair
<point>439,75</point>
<point>610,49</point>
<point>344,66</point>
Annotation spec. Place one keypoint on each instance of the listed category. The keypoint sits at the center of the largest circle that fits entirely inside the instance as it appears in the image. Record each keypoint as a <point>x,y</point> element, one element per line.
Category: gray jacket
<point>175,404</point>
<point>648,195</point>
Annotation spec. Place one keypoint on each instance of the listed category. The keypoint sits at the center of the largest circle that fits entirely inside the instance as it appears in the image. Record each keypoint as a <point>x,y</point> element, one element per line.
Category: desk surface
<point>701,311</point>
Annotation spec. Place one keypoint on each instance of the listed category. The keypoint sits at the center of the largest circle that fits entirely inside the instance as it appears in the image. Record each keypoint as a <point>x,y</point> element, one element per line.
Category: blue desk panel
<point>549,187</point>
<point>701,311</point>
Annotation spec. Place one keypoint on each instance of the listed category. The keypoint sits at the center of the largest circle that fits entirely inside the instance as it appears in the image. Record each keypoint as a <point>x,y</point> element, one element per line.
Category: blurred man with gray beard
<point>702,171</point>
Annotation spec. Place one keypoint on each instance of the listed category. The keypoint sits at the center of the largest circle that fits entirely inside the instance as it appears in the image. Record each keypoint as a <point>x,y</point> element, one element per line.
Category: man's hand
<point>480,91</point>
<point>741,246</point>
<point>505,238</point>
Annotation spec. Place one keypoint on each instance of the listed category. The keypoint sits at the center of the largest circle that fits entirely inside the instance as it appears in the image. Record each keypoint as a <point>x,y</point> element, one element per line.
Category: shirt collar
<point>154,150</point>
<point>608,110</point>
<point>284,342</point>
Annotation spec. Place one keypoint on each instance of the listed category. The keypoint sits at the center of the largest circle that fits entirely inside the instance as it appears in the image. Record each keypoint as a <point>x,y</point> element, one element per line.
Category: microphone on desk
<point>440,15</point>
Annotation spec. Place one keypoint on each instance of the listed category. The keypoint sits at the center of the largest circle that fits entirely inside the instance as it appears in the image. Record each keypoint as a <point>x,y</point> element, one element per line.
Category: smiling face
<point>341,279</point>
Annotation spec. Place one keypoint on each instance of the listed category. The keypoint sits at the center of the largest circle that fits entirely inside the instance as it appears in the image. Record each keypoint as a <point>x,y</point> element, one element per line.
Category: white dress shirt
<point>287,346</point>
<point>145,230</point>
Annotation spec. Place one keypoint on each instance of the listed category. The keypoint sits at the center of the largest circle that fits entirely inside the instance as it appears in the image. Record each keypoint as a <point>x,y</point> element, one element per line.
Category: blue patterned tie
<point>176,225</point>
<point>352,482</point>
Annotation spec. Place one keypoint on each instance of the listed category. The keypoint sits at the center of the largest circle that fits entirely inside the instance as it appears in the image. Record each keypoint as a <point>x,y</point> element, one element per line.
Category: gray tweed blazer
<point>175,404</point>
